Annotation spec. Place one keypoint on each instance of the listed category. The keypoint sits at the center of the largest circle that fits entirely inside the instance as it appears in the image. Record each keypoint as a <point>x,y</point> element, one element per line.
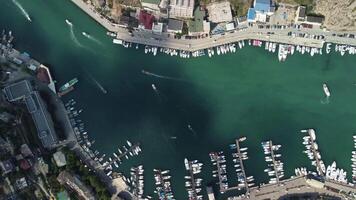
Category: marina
<point>277,172</point>
<point>192,183</point>
<point>312,151</point>
<point>107,140</point>
<point>163,184</point>
<point>283,49</point>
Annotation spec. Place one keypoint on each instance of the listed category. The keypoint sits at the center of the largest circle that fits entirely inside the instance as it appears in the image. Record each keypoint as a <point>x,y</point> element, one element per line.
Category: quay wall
<point>209,42</point>
<point>279,36</point>
<point>90,10</point>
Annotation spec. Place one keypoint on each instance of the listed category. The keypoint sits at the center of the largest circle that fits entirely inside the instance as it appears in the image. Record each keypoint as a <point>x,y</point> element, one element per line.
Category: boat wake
<point>102,89</point>
<point>162,77</point>
<point>23,11</point>
<point>326,100</point>
<point>72,35</point>
<point>92,38</point>
<point>192,130</point>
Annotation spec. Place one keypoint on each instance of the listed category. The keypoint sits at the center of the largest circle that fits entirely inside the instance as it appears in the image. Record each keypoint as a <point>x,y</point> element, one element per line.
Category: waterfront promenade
<point>299,185</point>
<point>146,37</point>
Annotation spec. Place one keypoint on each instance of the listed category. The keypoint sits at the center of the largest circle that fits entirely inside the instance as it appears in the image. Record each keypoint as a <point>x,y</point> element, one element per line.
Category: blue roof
<point>262,5</point>
<point>251,14</point>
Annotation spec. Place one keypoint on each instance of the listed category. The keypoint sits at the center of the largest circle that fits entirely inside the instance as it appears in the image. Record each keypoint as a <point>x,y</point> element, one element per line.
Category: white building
<point>152,5</point>
<point>181,8</point>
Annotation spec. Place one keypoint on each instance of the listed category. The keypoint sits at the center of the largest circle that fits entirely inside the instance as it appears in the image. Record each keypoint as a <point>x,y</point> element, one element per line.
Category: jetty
<point>316,154</point>
<point>215,157</point>
<point>240,156</point>
<point>123,154</point>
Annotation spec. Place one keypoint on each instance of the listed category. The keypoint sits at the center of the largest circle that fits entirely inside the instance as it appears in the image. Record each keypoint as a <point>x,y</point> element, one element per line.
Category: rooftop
<point>151,1</point>
<point>181,8</point>
<point>37,108</point>
<point>262,5</point>
<point>18,90</point>
<point>220,12</point>
<point>196,24</point>
<point>75,184</point>
<point>315,19</point>
<point>175,25</point>
<point>60,159</point>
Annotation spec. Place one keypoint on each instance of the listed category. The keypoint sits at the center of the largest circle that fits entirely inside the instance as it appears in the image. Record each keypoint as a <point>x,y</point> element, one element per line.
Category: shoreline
<point>145,37</point>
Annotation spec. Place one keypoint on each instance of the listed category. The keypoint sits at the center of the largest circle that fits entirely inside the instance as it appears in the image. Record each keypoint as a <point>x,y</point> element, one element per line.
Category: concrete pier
<point>118,158</point>
<point>237,142</point>
<point>274,161</point>
<point>315,154</point>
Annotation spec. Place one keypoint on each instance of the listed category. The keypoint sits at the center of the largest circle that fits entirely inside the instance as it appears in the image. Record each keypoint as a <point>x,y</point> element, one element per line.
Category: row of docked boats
<point>137,182</point>
<point>80,133</point>
<point>302,171</point>
<point>353,159</point>
<point>275,166</point>
<point>343,49</point>
<point>163,184</point>
<point>270,46</point>
<point>335,174</point>
<point>218,159</point>
<point>283,49</point>
<point>239,157</point>
<point>193,184</point>
<point>122,153</point>
<point>150,49</point>
<point>309,141</point>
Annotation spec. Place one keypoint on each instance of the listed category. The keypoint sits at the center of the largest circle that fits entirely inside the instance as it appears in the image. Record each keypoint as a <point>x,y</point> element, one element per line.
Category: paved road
<point>298,185</point>
<point>249,32</point>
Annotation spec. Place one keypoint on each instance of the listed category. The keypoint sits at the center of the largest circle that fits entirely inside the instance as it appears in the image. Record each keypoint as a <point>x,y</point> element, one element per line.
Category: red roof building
<point>42,75</point>
<point>146,19</point>
<point>24,164</point>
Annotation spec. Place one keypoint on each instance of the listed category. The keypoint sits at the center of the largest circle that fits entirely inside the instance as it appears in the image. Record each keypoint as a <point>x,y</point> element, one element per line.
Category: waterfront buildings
<point>300,14</point>
<point>71,181</point>
<point>23,92</point>
<point>181,8</point>
<point>260,11</point>
<point>174,26</point>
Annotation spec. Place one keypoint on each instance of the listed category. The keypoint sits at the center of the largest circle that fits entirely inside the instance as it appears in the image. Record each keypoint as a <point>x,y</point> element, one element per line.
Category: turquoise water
<point>244,94</point>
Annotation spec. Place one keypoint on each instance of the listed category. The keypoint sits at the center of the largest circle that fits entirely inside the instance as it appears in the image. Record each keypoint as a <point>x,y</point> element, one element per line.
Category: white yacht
<point>326,90</point>
<point>69,22</point>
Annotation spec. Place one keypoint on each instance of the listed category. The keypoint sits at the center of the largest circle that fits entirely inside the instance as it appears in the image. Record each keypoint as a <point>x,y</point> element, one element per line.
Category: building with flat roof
<point>157,28</point>
<point>174,26</point>
<point>301,14</point>
<point>260,11</point>
<point>315,20</point>
<point>60,159</point>
<point>219,12</point>
<point>71,181</point>
<point>181,8</point>
<point>23,91</point>
<point>152,5</point>
<point>7,166</point>
<point>198,25</point>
